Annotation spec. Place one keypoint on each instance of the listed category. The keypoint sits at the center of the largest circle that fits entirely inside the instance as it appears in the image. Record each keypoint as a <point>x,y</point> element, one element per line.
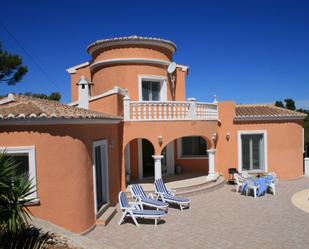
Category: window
<point>151,90</point>
<point>25,157</point>
<point>252,154</point>
<point>193,147</point>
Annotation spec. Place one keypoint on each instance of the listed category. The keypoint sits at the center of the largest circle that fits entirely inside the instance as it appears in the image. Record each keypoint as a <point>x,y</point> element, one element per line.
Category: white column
<point>212,175</point>
<point>126,108</point>
<point>157,166</point>
<point>306,166</point>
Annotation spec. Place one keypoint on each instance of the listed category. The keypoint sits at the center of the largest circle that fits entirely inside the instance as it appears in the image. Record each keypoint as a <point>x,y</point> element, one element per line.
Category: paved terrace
<point>219,219</point>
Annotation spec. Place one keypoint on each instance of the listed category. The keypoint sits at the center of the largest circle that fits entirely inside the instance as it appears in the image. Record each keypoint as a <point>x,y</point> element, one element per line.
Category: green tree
<point>290,104</point>
<point>11,68</point>
<point>53,96</point>
<point>279,103</point>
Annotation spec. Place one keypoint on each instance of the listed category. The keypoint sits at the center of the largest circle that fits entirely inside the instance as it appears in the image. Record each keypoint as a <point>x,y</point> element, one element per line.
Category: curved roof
<point>134,39</point>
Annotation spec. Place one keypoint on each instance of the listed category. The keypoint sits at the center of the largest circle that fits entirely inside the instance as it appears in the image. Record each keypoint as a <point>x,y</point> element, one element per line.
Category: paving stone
<point>219,219</point>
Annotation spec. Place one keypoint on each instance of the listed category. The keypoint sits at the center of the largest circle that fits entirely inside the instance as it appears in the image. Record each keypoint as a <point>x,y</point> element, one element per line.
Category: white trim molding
<point>156,78</point>
<point>72,70</point>
<point>115,90</point>
<point>239,148</point>
<point>159,43</point>
<point>129,61</point>
<point>8,99</point>
<point>30,151</point>
<point>103,143</point>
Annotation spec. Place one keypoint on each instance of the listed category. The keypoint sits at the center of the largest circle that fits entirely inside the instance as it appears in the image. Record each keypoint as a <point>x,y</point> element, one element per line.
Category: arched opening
<point>187,155</point>
<point>139,162</point>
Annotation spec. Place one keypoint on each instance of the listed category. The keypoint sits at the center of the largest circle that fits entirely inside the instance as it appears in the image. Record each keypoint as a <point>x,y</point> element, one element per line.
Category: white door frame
<point>105,182</point>
<point>140,158</point>
<point>239,145</point>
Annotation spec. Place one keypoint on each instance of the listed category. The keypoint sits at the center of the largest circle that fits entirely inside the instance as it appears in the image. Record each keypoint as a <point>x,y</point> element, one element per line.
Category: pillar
<point>157,166</point>
<point>212,175</point>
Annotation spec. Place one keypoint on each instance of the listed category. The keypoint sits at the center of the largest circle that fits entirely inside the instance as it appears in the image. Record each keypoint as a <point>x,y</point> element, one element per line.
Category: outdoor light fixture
<point>160,140</point>
<point>228,136</point>
<point>214,136</point>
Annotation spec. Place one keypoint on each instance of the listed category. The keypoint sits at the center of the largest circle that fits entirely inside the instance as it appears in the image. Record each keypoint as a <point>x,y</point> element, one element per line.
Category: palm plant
<point>14,192</point>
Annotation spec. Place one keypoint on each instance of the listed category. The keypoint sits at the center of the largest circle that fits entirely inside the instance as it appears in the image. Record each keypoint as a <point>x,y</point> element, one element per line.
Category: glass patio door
<point>252,151</point>
<point>100,165</point>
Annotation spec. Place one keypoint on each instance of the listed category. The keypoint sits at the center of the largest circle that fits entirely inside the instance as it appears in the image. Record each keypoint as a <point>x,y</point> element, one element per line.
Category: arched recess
<point>191,159</point>
<point>138,159</point>
<point>209,141</point>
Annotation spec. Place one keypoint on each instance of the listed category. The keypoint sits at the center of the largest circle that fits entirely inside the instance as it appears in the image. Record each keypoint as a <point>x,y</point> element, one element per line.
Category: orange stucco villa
<point>130,119</point>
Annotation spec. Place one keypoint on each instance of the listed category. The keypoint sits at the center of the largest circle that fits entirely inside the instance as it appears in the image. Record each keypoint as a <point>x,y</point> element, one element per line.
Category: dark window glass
<point>99,176</point>
<point>151,90</point>
<point>22,162</point>
<point>194,146</point>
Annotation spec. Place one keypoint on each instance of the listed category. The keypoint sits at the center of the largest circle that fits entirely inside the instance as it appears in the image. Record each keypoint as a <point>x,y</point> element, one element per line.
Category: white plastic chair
<point>167,195</point>
<point>251,186</point>
<point>273,184</point>
<point>238,181</point>
<point>133,210</point>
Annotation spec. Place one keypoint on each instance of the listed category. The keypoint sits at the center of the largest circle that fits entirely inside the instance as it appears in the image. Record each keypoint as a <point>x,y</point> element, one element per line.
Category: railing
<point>168,110</point>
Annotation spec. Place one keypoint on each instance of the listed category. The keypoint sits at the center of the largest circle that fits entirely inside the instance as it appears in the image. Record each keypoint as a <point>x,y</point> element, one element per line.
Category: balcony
<point>168,110</point>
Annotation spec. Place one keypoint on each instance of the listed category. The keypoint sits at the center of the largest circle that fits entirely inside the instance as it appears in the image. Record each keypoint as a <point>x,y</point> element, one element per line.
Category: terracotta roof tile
<point>266,111</point>
<point>24,107</point>
<point>131,38</point>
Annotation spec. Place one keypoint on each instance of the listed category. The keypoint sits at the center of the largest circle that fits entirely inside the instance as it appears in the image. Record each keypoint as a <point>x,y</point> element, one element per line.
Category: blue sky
<point>247,51</point>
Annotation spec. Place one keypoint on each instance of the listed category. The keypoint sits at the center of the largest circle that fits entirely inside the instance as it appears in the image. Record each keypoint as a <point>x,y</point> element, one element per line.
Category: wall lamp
<point>160,140</point>
<point>228,136</point>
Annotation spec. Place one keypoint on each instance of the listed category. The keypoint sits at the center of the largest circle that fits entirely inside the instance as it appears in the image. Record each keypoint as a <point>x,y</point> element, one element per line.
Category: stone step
<point>106,217</point>
<point>188,191</point>
<point>209,187</point>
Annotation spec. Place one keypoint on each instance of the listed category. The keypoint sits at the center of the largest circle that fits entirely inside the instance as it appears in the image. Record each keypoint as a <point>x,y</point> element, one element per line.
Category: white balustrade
<point>169,110</point>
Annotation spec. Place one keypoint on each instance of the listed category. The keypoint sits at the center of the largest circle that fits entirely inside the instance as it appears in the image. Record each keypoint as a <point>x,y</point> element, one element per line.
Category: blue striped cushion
<point>160,186</point>
<point>154,202</point>
<point>138,191</point>
<point>176,199</point>
<point>124,200</point>
<point>148,212</point>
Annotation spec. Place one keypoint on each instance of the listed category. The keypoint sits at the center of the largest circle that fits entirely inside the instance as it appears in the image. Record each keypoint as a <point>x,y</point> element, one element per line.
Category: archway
<point>139,163</point>
<point>186,154</point>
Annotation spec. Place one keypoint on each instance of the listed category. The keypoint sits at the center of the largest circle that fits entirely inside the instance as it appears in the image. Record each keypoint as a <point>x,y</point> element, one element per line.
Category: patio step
<point>107,216</point>
<point>188,191</point>
<point>201,188</point>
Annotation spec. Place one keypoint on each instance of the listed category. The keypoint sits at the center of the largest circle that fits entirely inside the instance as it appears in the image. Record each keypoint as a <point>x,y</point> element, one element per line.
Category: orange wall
<point>188,165</point>
<point>134,159</point>
<point>126,77</point>
<point>284,143</point>
<point>64,169</point>
<point>112,104</point>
